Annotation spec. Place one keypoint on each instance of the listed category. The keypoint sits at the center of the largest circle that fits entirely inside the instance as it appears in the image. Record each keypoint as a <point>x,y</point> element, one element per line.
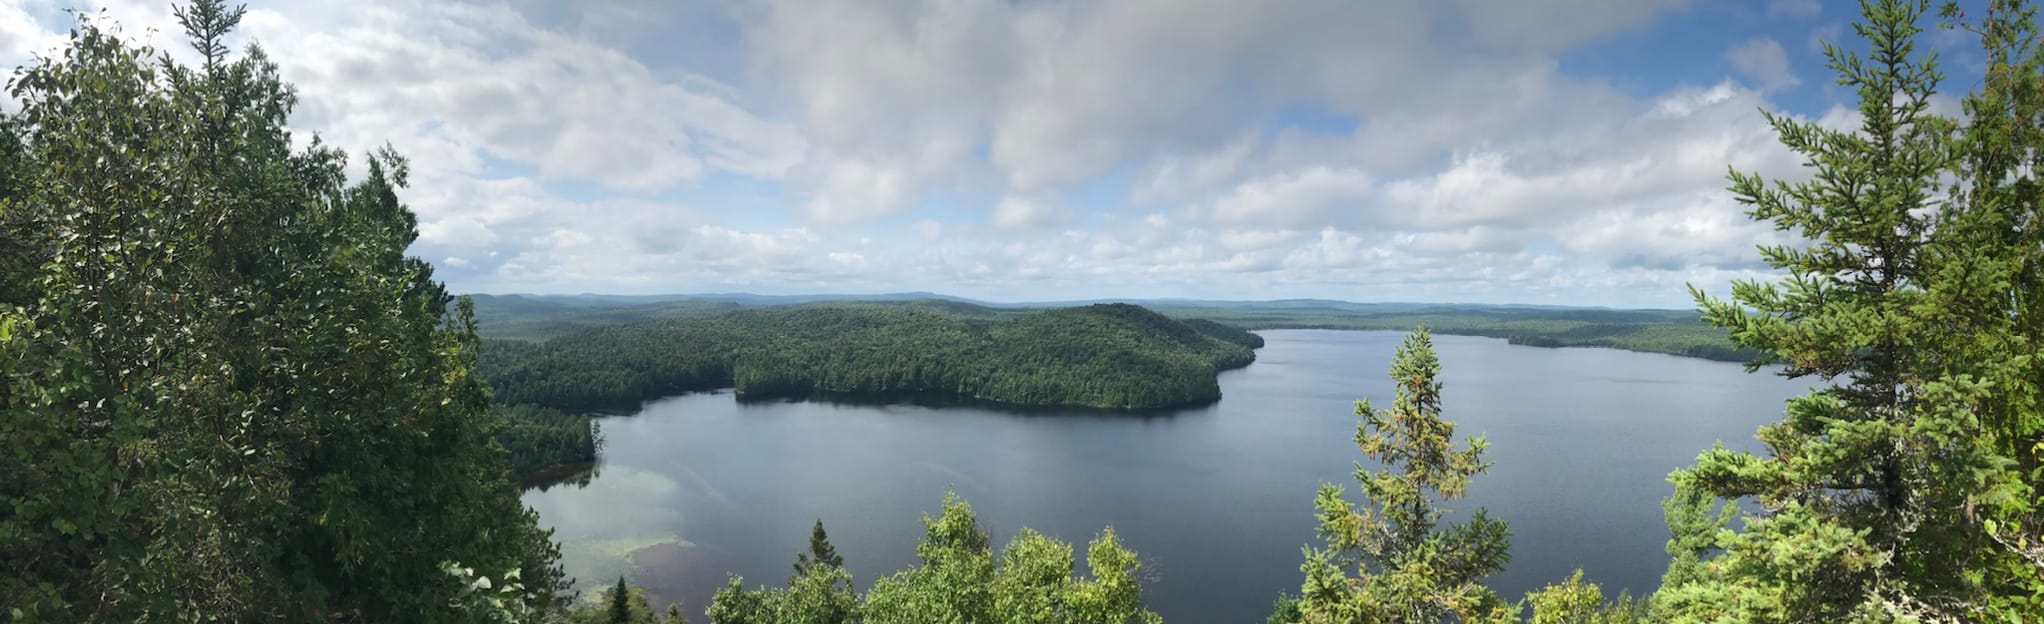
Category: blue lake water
<point>1216,500</point>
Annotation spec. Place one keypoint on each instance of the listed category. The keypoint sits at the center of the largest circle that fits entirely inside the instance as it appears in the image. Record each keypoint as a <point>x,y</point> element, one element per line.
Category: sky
<point>1558,152</point>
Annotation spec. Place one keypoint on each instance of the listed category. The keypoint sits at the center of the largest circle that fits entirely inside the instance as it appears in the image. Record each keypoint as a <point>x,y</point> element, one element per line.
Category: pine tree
<point>1408,568</point>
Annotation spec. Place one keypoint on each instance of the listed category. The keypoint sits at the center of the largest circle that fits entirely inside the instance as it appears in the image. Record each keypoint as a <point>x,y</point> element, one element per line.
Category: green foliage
<point>1906,490</point>
<point>820,592</point>
<point>1694,530</point>
<point>1407,568</point>
<point>732,604</point>
<point>1102,356</point>
<point>1990,274</point>
<point>505,599</point>
<point>1576,602</point>
<point>228,391</point>
<point>957,581</point>
<point>953,584</point>
<point>821,553</point>
<point>1284,610</point>
<point>819,595</point>
<point>1572,602</point>
<point>536,438</point>
<point>621,604</point>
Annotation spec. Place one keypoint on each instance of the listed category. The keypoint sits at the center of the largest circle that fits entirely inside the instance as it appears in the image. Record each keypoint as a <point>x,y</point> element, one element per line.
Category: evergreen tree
<point>1408,568</point>
<point>820,551</point>
<point>1882,491</point>
<point>621,603</point>
<point>1990,267</point>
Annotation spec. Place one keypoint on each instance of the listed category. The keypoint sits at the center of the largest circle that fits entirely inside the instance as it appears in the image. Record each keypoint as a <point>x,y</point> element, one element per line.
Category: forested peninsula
<point>1105,356</point>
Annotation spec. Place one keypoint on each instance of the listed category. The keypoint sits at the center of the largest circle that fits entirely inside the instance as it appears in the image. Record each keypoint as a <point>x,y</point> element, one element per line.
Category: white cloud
<point>21,37</point>
<point>1294,199</point>
<point>456,231</point>
<point>1256,240</point>
<point>850,260</point>
<point>698,257</point>
<point>1017,211</point>
<point>855,190</point>
<point>1762,61</point>
<point>1195,176</point>
<point>1142,147</point>
<point>1335,249</point>
<point>897,98</point>
<point>1642,189</point>
<point>563,239</point>
<point>471,82</point>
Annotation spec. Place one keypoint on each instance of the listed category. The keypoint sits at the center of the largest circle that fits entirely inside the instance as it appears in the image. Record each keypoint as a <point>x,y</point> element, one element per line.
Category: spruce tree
<point>1906,295</point>
<point>621,603</point>
<point>1406,566</point>
<point>1990,270</point>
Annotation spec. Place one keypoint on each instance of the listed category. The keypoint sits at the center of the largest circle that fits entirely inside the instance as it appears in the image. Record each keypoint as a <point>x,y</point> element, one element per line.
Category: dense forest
<point>538,438</point>
<point>230,395</point>
<point>1109,356</point>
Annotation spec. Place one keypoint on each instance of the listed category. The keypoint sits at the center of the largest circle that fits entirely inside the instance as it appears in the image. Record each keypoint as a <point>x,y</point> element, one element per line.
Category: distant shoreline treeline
<point>1672,332</point>
<point>1107,356</point>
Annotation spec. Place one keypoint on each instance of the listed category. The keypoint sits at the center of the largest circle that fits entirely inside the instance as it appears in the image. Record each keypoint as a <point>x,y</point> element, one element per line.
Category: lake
<point>1217,500</point>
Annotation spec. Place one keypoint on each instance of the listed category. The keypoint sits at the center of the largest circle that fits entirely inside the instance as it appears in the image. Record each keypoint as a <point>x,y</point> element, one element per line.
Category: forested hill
<point>1107,356</point>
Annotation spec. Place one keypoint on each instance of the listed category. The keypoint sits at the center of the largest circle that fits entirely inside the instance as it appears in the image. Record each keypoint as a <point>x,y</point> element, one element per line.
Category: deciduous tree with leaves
<point>228,393</point>
<point>958,580</point>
